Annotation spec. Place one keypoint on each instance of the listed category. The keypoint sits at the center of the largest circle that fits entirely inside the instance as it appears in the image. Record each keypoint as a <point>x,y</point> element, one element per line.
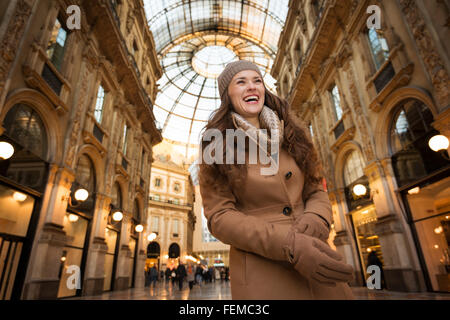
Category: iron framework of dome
<point>194,41</point>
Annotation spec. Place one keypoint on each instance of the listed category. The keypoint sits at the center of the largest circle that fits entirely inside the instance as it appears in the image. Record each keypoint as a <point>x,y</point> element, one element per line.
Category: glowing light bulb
<point>151,236</point>
<point>438,230</point>
<point>19,197</point>
<point>81,194</point>
<point>139,228</point>
<point>438,142</point>
<point>415,190</point>
<point>6,150</point>
<point>73,217</point>
<point>117,216</point>
<point>359,190</point>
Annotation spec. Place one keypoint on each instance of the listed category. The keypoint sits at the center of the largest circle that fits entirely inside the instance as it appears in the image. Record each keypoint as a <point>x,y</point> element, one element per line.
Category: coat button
<point>287,211</point>
<point>288,175</point>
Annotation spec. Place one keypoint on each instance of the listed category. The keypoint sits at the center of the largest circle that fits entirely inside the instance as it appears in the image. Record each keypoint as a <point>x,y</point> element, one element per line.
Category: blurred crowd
<point>193,274</point>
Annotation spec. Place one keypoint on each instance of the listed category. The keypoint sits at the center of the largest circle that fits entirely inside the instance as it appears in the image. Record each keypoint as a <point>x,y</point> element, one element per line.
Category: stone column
<point>95,265</point>
<point>343,240</point>
<point>398,272</point>
<point>124,255</point>
<point>390,228</point>
<point>45,261</point>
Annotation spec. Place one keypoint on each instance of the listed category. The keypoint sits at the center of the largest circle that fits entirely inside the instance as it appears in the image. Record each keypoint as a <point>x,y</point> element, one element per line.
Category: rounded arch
<point>153,250</point>
<point>174,250</point>
<point>387,113</point>
<point>341,159</point>
<point>139,199</point>
<point>117,195</point>
<point>47,112</point>
<point>137,211</point>
<point>123,183</point>
<point>98,163</point>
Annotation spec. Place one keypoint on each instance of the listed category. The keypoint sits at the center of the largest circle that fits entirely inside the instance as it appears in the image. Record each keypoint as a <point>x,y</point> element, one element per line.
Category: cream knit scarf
<point>268,120</point>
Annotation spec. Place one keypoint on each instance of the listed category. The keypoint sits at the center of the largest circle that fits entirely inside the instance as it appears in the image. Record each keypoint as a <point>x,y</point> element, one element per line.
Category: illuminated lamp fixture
<point>139,228</point>
<point>439,143</point>
<point>438,230</point>
<point>152,236</point>
<point>6,150</point>
<point>415,190</point>
<point>359,190</point>
<point>73,217</point>
<point>19,196</point>
<point>80,195</point>
<point>115,215</point>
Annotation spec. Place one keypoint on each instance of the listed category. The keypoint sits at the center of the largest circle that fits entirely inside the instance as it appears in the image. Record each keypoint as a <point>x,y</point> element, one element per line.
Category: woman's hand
<point>316,261</point>
<point>312,225</point>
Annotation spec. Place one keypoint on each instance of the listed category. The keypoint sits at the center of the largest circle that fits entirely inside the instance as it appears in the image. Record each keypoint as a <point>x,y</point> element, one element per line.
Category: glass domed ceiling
<point>194,41</point>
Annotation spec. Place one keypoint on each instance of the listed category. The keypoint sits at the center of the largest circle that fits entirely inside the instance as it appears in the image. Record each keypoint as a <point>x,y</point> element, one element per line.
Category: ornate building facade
<point>371,80</point>
<point>77,85</point>
<point>170,210</point>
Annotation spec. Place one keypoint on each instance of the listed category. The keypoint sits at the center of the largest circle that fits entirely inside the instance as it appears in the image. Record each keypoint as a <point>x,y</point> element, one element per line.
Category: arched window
<point>85,173</point>
<point>25,127</point>
<point>412,121</point>
<point>378,47</point>
<point>174,251</point>
<point>410,132</point>
<point>353,168</point>
<point>336,99</point>
<point>136,212</point>
<point>85,178</point>
<point>116,196</point>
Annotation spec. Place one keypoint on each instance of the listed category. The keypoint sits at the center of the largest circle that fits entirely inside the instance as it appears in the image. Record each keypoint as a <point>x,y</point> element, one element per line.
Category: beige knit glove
<point>312,225</point>
<point>316,261</point>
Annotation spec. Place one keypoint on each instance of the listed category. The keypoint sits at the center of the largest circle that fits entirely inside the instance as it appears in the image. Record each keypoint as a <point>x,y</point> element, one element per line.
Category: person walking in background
<point>153,275</point>
<point>198,275</point>
<point>190,275</point>
<point>181,274</point>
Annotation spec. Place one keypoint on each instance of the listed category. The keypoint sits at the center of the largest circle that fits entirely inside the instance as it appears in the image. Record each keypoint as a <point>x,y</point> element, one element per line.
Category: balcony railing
<point>180,203</point>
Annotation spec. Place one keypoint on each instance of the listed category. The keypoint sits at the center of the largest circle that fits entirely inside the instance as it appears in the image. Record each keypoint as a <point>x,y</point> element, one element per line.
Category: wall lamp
<point>80,195</point>
<point>439,143</point>
<point>6,150</point>
<point>152,236</point>
<point>360,190</point>
<point>115,215</point>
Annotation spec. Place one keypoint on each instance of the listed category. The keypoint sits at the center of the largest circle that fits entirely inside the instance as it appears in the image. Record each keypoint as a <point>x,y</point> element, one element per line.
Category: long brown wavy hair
<point>296,142</point>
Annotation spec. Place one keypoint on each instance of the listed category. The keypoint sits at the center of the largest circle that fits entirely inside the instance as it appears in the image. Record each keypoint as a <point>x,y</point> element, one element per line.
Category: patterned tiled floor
<point>221,291</point>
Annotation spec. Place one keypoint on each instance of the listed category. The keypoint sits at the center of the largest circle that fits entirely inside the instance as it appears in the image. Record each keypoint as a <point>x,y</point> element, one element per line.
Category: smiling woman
<point>195,52</point>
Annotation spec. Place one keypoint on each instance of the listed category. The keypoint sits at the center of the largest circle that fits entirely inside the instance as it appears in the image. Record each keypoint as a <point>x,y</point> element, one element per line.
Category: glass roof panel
<point>194,42</point>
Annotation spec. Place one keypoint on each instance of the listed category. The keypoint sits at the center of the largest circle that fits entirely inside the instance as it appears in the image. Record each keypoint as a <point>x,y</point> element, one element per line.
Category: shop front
<point>77,225</point>
<point>23,179</point>
<point>428,205</point>
<point>423,177</point>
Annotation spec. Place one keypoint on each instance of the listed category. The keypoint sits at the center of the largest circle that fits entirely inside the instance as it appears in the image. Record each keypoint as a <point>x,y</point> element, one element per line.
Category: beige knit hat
<point>230,71</point>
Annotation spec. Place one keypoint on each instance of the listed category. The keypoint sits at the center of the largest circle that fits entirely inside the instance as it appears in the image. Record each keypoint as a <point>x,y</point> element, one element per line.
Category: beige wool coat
<point>255,221</point>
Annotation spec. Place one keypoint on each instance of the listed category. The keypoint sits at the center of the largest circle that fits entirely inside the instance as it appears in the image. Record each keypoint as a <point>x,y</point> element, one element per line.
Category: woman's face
<point>246,91</point>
